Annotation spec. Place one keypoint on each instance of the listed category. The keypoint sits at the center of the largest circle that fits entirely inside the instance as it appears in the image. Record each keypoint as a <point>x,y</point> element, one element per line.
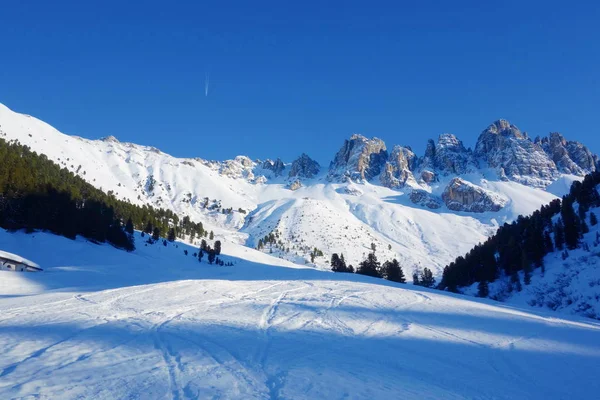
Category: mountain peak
<point>359,158</point>
<point>304,167</point>
<point>110,139</point>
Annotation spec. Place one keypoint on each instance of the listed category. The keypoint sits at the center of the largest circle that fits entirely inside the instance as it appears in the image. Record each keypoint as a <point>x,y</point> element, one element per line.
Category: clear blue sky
<point>286,79</point>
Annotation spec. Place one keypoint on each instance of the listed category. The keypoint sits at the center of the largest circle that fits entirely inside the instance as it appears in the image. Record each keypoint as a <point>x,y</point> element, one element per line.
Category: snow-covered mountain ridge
<point>420,210</point>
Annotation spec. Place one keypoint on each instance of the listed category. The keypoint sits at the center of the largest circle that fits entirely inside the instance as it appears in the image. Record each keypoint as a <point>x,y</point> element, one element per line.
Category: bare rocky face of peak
<point>110,139</point>
<point>359,159</point>
<point>397,171</point>
<point>276,166</point>
<point>447,156</point>
<point>461,195</point>
<point>304,167</point>
<point>570,157</point>
<point>503,146</point>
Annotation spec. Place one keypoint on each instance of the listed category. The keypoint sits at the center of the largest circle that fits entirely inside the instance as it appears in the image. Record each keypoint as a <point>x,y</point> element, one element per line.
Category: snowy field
<point>155,324</point>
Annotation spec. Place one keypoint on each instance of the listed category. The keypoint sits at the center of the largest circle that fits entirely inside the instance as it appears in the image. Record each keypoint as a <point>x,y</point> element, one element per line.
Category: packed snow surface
<point>157,324</point>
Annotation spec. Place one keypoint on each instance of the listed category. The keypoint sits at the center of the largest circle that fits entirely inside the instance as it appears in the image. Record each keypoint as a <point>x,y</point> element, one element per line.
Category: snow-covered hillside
<point>569,281</point>
<point>102,323</point>
<point>401,210</point>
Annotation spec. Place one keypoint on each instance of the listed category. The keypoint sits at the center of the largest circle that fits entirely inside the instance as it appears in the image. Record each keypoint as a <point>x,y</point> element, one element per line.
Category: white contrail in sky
<point>206,81</point>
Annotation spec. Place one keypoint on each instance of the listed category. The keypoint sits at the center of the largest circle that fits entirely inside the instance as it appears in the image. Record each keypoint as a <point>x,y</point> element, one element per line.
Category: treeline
<point>522,245</point>
<point>390,270</point>
<point>35,193</point>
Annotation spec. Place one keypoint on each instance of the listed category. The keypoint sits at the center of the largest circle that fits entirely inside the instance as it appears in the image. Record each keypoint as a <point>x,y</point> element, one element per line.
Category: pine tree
<point>203,245</point>
<point>483,289</point>
<point>559,235</point>
<point>584,227</point>
<point>370,267</point>
<point>526,266</point>
<point>593,219</point>
<point>516,281</point>
<point>335,263</point>
<point>373,247</point>
<point>416,276</point>
<point>571,224</point>
<point>149,228</point>
<point>200,255</point>
<point>211,256</point>
<point>171,235</point>
<point>211,236</point>
<point>393,272</point>
<point>218,247</point>
<point>156,234</point>
<point>548,245</point>
<point>129,226</point>
<point>427,278</point>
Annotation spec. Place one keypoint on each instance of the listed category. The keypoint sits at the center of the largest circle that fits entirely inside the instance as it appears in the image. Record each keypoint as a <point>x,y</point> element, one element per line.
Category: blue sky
<point>291,78</point>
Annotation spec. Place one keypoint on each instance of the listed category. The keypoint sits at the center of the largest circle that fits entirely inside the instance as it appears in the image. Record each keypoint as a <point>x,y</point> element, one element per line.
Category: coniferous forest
<point>519,246</point>
<point>522,245</point>
<point>35,193</point>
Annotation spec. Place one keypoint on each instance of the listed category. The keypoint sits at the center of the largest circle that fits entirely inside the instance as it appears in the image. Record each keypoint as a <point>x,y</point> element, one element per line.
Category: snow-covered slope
<point>569,281</point>
<point>102,323</point>
<point>250,199</point>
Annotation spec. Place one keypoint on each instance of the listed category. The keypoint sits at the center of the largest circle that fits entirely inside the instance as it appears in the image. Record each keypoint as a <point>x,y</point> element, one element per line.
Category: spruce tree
<point>370,266</point>
<point>526,266</point>
<point>200,255</point>
<point>171,235</point>
<point>559,235</point>
<point>129,226</point>
<point>211,256</point>
<point>571,224</point>
<point>416,276</point>
<point>156,234</point>
<point>393,272</point>
<point>335,263</point>
<point>427,278</point>
<point>548,245</point>
<point>203,245</point>
<point>218,247</point>
<point>211,236</point>
<point>149,228</point>
<point>483,289</point>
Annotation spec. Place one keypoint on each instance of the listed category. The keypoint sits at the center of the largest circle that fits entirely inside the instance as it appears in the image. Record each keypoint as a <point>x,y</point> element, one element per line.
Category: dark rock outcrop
<point>304,167</point>
<point>461,195</point>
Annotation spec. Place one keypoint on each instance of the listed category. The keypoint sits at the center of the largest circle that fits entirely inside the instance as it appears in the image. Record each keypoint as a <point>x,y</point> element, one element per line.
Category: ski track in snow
<point>156,324</point>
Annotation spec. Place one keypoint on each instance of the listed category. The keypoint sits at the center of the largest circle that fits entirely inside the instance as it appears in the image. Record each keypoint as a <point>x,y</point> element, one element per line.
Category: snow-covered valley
<point>102,323</point>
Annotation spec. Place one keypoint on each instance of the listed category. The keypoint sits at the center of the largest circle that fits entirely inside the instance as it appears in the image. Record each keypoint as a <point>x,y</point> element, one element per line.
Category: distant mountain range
<point>423,210</point>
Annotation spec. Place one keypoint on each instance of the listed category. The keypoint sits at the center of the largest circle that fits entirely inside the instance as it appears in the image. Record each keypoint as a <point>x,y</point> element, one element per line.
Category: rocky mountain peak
<point>110,139</point>
<point>276,166</point>
<point>397,171</point>
<point>504,147</point>
<point>504,128</point>
<point>448,140</point>
<point>304,167</point>
<point>359,159</point>
<point>570,157</point>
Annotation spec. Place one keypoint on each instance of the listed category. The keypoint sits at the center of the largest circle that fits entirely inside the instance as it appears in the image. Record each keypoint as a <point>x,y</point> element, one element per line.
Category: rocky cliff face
<point>397,171</point>
<point>503,147</point>
<point>570,157</point>
<point>276,167</point>
<point>358,159</point>
<point>423,198</point>
<point>304,167</point>
<point>461,195</point>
